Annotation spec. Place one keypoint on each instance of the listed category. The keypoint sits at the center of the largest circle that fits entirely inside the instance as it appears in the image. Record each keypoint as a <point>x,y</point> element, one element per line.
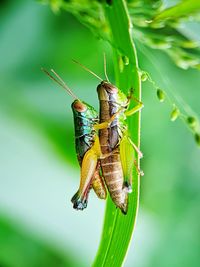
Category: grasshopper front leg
<point>107,124</point>
<point>135,109</point>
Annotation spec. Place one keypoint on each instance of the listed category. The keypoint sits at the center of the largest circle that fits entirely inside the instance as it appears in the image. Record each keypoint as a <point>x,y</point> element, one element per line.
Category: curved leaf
<point>118,228</point>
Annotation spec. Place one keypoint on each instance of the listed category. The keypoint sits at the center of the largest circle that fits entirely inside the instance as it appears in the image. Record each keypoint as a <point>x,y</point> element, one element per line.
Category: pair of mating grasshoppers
<point>104,149</point>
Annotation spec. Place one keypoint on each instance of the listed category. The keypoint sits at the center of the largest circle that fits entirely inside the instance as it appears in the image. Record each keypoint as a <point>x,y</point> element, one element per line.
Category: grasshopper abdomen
<point>109,140</point>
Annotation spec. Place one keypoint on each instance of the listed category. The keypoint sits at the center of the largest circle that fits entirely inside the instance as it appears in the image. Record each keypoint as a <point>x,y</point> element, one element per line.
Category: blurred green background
<point>39,172</point>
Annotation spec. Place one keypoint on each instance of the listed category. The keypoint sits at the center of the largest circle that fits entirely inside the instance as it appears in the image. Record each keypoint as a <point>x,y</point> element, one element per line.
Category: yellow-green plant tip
<point>121,64</point>
<point>125,60</point>
<point>157,24</point>
<point>192,122</point>
<point>197,67</point>
<point>174,114</point>
<point>197,138</point>
<point>161,44</point>
<point>144,76</point>
<point>190,44</point>
<point>55,6</point>
<point>160,95</point>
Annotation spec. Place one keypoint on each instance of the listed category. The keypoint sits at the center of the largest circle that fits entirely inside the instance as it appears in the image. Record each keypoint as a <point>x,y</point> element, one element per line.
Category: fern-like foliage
<point>154,24</point>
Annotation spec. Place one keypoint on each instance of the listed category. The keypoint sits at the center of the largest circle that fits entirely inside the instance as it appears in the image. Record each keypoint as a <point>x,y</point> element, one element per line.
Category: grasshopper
<point>116,168</point>
<point>86,125</point>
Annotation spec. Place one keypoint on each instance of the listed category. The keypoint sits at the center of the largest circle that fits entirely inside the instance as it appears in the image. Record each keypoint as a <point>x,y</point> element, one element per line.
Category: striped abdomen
<point>109,140</point>
<point>113,175</point>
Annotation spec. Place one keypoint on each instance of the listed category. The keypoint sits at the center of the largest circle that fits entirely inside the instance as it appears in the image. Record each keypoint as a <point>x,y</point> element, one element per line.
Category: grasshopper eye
<point>79,106</point>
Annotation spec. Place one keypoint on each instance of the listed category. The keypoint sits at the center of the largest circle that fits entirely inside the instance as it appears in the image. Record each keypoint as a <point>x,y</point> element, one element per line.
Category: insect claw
<point>79,203</point>
<point>141,173</point>
<point>127,187</point>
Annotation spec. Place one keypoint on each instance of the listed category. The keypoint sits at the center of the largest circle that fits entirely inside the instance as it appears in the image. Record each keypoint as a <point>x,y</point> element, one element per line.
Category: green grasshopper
<point>116,168</point>
<point>86,124</point>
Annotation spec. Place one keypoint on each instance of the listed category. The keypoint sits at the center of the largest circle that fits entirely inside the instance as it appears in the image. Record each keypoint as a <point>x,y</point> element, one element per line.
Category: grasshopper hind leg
<point>88,168</point>
<point>98,183</point>
<point>80,200</point>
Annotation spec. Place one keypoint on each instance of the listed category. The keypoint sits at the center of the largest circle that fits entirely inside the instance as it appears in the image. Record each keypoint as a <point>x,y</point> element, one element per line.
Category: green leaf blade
<point>118,228</point>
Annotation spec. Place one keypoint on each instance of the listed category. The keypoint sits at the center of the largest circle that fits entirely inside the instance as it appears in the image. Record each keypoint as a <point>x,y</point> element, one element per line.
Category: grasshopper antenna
<point>64,84</point>
<point>85,68</point>
<point>60,82</point>
<point>104,63</point>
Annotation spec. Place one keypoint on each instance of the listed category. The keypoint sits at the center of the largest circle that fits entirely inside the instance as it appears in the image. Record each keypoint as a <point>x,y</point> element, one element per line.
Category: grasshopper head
<point>106,90</point>
<point>82,109</point>
<point>110,88</point>
<point>79,106</point>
